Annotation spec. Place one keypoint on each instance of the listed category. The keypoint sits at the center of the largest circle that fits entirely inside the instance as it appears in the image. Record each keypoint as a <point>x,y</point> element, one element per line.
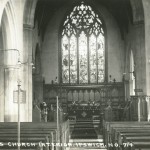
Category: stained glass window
<point>83,46</point>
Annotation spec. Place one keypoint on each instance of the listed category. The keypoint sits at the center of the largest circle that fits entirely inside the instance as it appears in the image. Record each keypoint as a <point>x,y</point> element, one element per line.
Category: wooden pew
<point>140,139</point>
<point>109,126</point>
<point>37,133</point>
<point>136,134</point>
<point>29,133</point>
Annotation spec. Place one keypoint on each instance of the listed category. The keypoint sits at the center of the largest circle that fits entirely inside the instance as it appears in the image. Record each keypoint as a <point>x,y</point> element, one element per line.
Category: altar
<point>86,102</point>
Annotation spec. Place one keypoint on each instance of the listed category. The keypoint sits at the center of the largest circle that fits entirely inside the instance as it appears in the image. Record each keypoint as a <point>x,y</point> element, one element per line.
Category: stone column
<point>148,108</point>
<point>1,88</point>
<point>10,72</point>
<point>140,57</point>
<point>7,76</point>
<point>146,6</point>
<point>10,84</point>
<point>27,68</point>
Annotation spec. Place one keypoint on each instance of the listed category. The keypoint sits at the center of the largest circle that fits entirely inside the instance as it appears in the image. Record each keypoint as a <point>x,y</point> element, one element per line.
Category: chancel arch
<point>74,90</point>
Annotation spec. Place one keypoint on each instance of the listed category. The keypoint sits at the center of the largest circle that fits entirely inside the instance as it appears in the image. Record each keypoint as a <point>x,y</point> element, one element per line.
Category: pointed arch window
<point>82,47</point>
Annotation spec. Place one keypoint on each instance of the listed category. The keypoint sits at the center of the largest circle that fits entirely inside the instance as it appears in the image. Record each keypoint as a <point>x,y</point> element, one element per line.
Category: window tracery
<point>83,47</point>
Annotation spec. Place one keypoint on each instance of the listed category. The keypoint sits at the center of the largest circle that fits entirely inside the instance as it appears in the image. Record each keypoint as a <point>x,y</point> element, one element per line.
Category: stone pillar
<point>1,89</point>
<point>27,68</point>
<point>148,108</point>
<point>146,6</point>
<point>140,57</point>
<point>10,71</point>
<point>10,84</point>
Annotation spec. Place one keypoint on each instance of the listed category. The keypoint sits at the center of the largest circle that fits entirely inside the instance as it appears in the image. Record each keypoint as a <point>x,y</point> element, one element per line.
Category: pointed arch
<point>29,11</point>
<point>9,27</point>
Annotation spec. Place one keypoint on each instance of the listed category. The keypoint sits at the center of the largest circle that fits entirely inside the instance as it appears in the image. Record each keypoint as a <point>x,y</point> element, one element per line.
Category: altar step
<point>84,129</point>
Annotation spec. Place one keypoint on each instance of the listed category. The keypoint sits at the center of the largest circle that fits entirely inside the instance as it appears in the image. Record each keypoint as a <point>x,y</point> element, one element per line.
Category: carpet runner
<point>84,129</point>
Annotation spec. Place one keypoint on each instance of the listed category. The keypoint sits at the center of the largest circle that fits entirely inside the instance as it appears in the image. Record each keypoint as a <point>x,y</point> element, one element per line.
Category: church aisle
<point>84,130</point>
<point>85,137</point>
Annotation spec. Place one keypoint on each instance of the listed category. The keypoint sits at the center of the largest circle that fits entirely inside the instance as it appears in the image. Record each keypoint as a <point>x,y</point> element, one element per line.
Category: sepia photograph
<point>74,75</point>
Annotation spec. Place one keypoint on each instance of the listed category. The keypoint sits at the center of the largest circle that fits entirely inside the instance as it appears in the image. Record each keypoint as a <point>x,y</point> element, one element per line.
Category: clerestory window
<point>83,47</point>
